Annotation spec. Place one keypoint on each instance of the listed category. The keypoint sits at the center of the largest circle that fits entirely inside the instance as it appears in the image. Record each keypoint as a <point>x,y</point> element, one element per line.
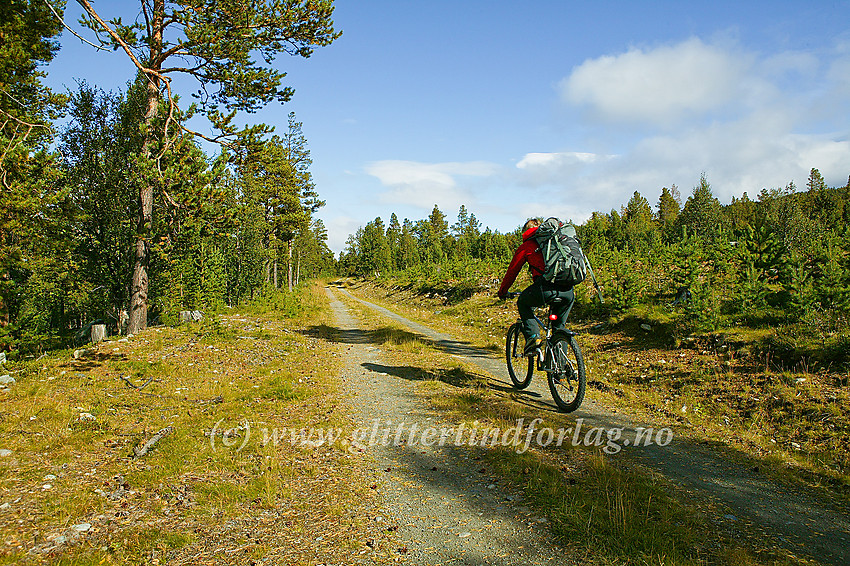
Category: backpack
<point>562,254</point>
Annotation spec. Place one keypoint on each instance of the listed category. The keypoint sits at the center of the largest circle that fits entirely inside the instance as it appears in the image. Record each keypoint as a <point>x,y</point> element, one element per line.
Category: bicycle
<point>560,357</point>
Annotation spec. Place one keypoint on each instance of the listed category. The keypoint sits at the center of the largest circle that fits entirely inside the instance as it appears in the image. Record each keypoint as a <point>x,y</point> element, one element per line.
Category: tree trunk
<point>289,263</point>
<point>4,311</point>
<point>139,287</point>
<point>276,286</point>
<point>298,269</point>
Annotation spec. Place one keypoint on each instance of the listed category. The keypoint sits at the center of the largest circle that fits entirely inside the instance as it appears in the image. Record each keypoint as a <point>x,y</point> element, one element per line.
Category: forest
<point>775,265</point>
<point>113,210</point>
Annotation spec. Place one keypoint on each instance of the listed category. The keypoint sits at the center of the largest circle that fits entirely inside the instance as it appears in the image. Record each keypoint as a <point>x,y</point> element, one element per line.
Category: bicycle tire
<point>567,387</point>
<point>512,349</point>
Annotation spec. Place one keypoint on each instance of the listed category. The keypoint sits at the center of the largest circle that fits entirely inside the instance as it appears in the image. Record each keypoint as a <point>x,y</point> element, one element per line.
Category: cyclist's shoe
<point>532,345</point>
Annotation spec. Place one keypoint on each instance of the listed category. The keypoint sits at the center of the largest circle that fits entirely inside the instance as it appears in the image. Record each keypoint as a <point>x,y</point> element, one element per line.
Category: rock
<point>4,452</point>
<point>5,506</point>
<point>61,539</point>
<point>79,354</point>
<point>7,380</point>
<point>82,527</point>
<point>86,417</point>
<point>191,316</point>
<point>730,517</point>
<point>800,380</point>
<point>46,487</point>
<point>2,357</point>
<point>645,327</point>
<point>49,477</point>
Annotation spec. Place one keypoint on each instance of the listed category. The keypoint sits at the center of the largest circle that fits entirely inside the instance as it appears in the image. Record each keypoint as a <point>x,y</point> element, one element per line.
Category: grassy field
<point>212,489</point>
<point>608,512</point>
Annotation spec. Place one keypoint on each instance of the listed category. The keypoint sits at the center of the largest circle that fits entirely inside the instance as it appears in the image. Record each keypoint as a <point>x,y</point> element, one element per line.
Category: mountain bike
<point>559,356</point>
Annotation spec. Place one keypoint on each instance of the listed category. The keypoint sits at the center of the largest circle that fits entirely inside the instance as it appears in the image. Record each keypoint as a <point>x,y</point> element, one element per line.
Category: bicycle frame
<point>545,362</point>
<point>559,356</point>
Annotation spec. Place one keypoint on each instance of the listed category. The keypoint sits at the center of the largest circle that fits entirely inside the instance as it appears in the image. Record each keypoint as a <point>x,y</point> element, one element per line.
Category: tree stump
<point>98,333</point>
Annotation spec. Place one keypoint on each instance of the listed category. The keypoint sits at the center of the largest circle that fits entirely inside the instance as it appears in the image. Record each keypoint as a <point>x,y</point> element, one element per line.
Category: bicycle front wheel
<point>515,359</point>
<point>568,381</point>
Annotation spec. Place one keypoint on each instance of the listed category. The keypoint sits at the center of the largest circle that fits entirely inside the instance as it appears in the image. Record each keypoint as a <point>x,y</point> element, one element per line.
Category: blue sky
<point>539,108</point>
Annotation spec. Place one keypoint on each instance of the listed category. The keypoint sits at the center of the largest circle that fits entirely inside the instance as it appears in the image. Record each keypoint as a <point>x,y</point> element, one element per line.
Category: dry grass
<point>196,498</point>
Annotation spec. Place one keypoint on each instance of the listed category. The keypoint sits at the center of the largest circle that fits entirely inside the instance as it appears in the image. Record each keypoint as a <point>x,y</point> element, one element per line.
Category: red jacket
<point>527,252</point>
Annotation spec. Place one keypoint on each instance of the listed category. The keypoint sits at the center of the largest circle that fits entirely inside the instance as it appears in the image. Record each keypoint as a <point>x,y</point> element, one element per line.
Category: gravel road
<point>444,496</point>
<point>442,503</point>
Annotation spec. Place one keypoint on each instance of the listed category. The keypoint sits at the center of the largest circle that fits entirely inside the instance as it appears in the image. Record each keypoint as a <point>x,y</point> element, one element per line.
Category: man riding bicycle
<point>539,293</point>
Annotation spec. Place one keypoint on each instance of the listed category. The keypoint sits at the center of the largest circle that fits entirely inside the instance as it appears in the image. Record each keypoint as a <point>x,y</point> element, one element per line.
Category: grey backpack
<point>562,254</point>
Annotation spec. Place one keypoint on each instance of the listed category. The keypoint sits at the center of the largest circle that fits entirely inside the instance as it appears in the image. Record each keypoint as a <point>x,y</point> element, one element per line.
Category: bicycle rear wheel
<point>514,359</point>
<point>569,381</point>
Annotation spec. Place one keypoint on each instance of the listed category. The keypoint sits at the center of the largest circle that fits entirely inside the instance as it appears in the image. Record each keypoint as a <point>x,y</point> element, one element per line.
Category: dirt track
<point>451,509</point>
<point>443,509</point>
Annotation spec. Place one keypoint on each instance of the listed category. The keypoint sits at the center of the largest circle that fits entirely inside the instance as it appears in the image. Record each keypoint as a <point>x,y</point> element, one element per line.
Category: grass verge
<point>213,488</point>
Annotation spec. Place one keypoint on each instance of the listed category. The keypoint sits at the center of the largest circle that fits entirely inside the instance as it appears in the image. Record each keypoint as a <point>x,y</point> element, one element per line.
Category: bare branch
<point>67,27</point>
<point>117,38</point>
<point>220,140</point>
<point>171,200</point>
<point>133,385</point>
<point>139,452</point>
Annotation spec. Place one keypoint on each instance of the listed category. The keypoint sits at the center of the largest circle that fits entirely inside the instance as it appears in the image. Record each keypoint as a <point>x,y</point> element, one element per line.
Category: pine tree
<point>408,246</point>
<point>435,232</point>
<point>217,45</point>
<point>374,250</point>
<point>27,168</point>
<point>637,219</point>
<point>669,206</point>
<point>394,232</point>
<point>702,214</point>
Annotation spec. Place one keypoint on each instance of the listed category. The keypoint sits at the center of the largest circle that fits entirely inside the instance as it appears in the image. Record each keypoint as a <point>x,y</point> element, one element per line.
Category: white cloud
<point>537,169</point>
<point>557,159</point>
<point>659,86</point>
<point>339,228</point>
<point>425,184</point>
<point>747,121</point>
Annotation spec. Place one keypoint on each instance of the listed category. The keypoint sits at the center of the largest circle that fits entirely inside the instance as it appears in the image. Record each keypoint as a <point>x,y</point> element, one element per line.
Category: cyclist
<point>539,293</point>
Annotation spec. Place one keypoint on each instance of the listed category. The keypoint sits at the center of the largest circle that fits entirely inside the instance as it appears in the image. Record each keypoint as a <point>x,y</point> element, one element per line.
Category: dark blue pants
<point>540,293</point>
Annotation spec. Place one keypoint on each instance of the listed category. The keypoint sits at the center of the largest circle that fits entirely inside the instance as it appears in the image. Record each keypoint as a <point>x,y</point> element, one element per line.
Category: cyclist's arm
<point>519,259</point>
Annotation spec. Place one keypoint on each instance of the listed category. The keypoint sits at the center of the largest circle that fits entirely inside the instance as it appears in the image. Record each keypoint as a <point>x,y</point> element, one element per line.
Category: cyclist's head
<point>531,223</point>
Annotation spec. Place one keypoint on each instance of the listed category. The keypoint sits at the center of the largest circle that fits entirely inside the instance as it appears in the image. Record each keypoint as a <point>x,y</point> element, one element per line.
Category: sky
<point>546,107</point>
